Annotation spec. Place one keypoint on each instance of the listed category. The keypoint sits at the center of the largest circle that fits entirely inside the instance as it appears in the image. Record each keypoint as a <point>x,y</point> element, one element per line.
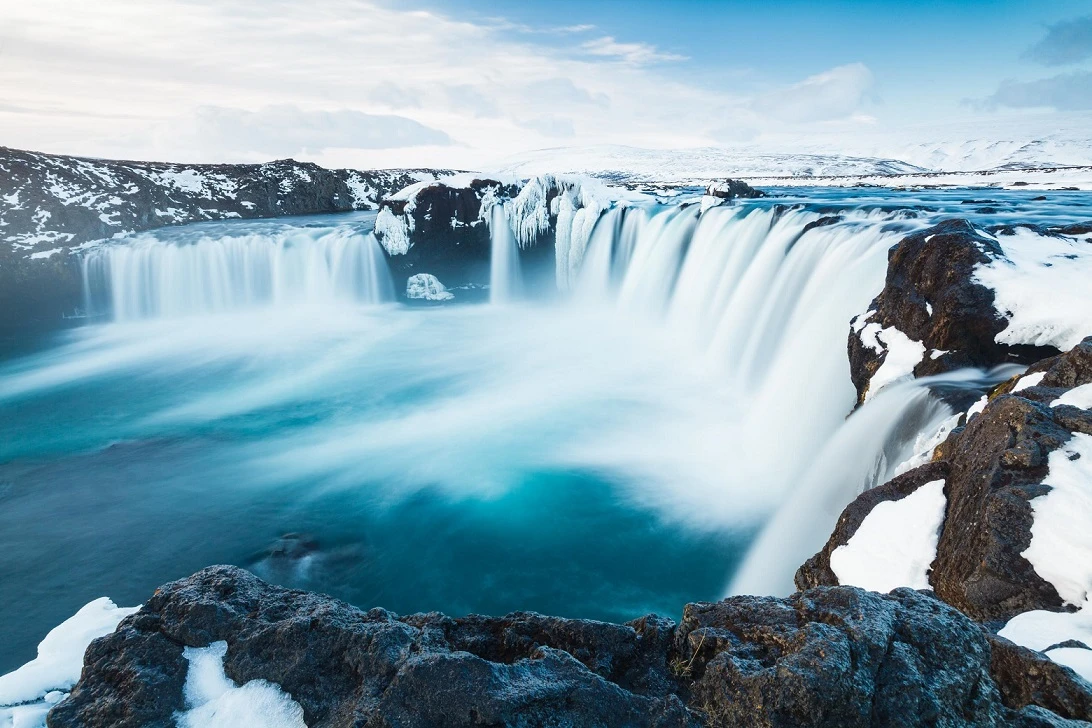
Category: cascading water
<point>505,278</point>
<point>160,275</point>
<point>690,393</point>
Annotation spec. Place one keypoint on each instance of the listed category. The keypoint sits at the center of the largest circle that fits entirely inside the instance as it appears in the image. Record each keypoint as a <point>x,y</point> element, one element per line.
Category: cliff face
<point>50,204</point>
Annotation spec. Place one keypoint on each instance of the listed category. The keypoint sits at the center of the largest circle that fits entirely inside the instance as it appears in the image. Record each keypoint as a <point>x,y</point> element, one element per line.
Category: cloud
<point>548,125</point>
<point>833,94</point>
<point>560,91</point>
<point>395,96</point>
<point>635,54</point>
<point>1065,92</point>
<point>468,99</point>
<point>1069,41</point>
<point>286,130</point>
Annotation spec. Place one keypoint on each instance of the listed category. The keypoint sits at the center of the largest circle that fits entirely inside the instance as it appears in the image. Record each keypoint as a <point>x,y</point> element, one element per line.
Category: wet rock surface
<point>992,468</point>
<point>828,656</point>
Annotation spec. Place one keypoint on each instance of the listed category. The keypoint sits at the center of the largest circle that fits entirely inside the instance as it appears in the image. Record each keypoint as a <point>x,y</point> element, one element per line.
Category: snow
<point>44,254</point>
<point>978,406</point>
<point>1041,287</point>
<point>895,544</point>
<point>1076,658</point>
<point>1040,630</point>
<point>1077,397</point>
<point>903,354</point>
<point>1061,540</point>
<point>393,231</point>
<point>1028,382</point>
<point>33,688</point>
<point>214,701</point>
<point>427,287</point>
<point>187,180</point>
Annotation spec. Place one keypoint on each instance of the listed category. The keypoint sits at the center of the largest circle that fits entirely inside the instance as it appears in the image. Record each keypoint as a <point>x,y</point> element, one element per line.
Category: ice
<point>427,287</point>
<point>895,543</point>
<point>214,701</point>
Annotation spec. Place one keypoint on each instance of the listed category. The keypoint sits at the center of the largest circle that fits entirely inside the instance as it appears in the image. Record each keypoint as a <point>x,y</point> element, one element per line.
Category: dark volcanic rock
<point>443,229</point>
<point>993,467</point>
<point>833,656</point>
<point>1026,677</point>
<point>52,202</point>
<point>731,189</point>
<point>933,270</point>
<point>446,231</point>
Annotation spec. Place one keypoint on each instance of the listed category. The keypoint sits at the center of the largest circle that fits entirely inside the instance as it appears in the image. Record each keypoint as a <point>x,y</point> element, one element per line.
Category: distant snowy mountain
<point>693,166</point>
<point>49,202</point>
<point>986,146</point>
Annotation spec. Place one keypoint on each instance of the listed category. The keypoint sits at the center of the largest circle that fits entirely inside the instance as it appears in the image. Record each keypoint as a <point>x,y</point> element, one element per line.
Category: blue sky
<point>459,83</point>
<point>943,53</point>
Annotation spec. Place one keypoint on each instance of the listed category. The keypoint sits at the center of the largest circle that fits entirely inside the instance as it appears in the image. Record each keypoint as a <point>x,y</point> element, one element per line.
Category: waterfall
<point>157,275</point>
<point>505,279</point>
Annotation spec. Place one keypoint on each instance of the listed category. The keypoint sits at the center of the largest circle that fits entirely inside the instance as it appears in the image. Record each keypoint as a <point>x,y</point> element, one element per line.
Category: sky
<point>464,83</point>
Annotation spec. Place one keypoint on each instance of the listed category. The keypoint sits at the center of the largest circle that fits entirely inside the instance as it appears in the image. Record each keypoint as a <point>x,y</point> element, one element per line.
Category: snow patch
<point>215,701</point>
<point>44,681</point>
<point>1061,540</point>
<point>895,544</point>
<point>44,254</point>
<point>903,354</point>
<point>1041,287</point>
<point>1028,382</point>
<point>1077,397</point>
<point>1040,629</point>
<point>427,287</point>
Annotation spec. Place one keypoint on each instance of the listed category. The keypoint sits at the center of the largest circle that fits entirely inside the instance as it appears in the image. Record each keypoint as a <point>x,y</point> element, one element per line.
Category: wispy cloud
<point>1065,92</point>
<point>636,54</point>
<point>834,94</point>
<point>1069,41</point>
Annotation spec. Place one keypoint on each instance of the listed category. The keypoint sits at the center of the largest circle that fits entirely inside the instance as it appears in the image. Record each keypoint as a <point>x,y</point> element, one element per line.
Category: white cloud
<point>551,126</point>
<point>831,95</point>
<point>636,54</point>
<point>217,132</point>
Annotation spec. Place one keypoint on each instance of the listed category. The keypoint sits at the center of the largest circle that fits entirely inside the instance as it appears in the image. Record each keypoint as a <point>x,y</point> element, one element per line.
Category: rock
<point>828,656</point>
<point>731,189</point>
<point>427,287</point>
<point>931,297</point>
<point>992,468</point>
<point>50,203</point>
<point>1026,677</point>
<point>439,229</point>
<point>443,228</point>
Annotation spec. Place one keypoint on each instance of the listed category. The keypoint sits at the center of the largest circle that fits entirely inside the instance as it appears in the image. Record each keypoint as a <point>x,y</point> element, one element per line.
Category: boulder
<point>930,296</point>
<point>827,656</point>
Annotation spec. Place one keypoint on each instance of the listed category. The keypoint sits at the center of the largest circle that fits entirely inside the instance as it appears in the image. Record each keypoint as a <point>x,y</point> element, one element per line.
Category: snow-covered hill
<point>49,202</point>
<point>692,166</point>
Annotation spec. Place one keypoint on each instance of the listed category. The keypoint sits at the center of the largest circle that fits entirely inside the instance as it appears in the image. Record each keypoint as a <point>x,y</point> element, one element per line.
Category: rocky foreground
<point>829,656</point>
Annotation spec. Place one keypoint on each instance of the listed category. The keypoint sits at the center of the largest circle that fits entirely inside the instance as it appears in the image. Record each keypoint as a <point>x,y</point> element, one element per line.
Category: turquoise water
<point>575,457</point>
<point>471,459</point>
